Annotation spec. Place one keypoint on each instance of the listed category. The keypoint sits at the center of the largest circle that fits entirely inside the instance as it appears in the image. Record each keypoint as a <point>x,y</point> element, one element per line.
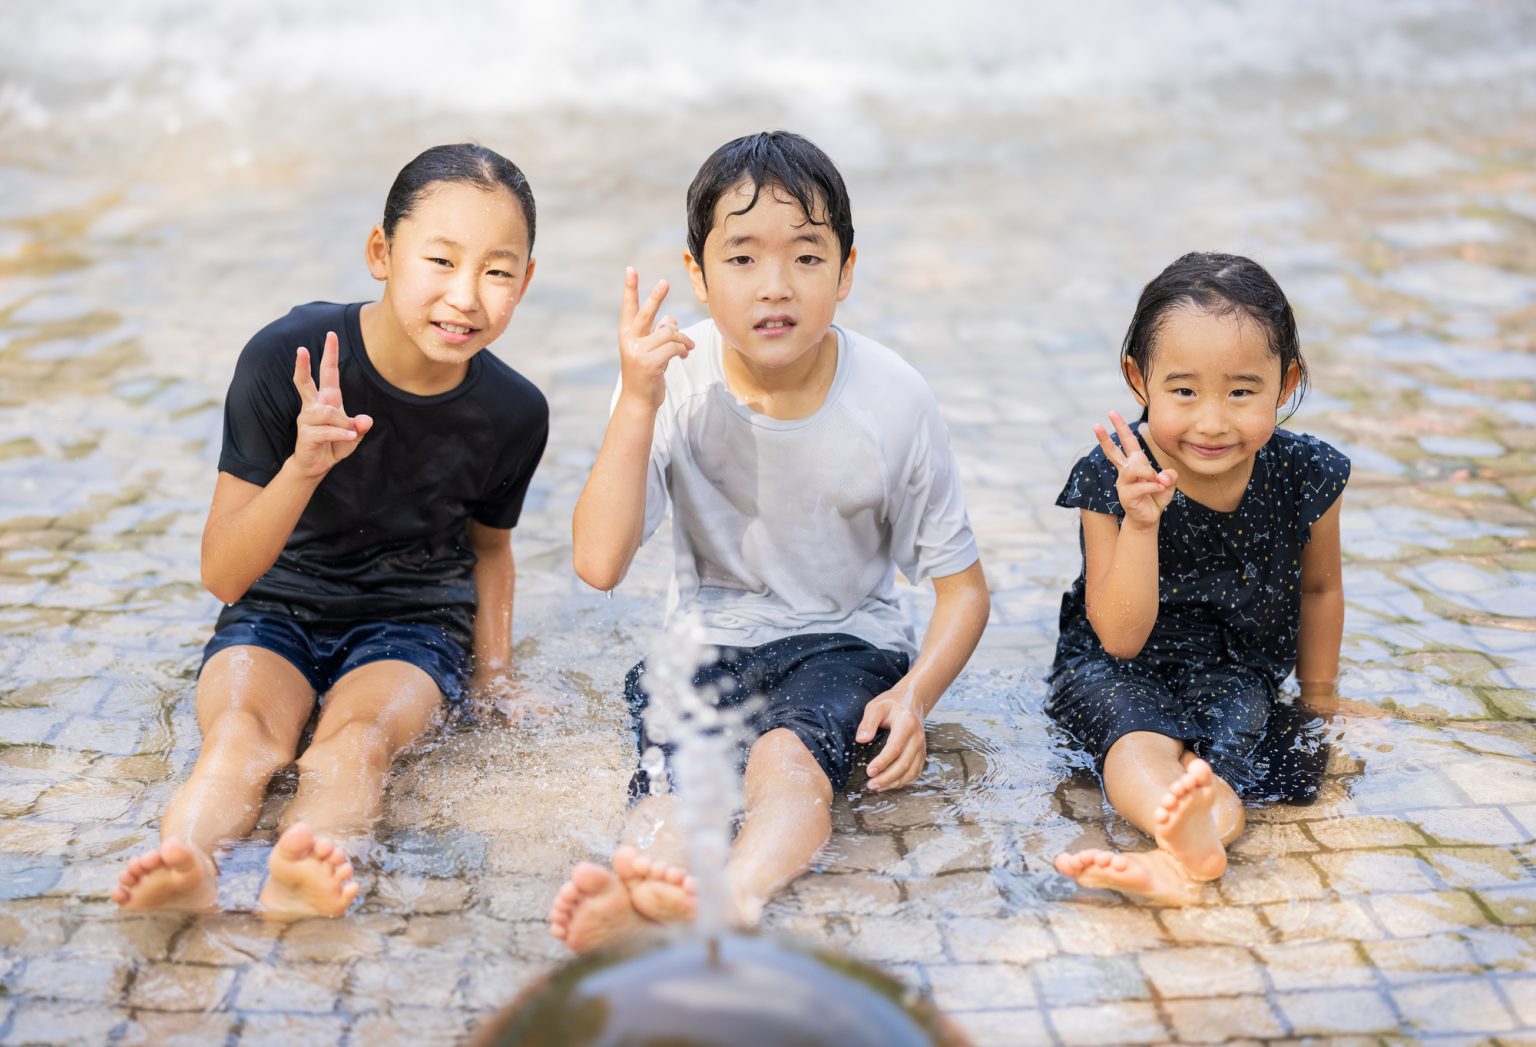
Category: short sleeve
<point>931,534</point>
<point>1091,485</point>
<point>260,410</point>
<point>657,501</point>
<point>503,503</point>
<point>1321,471</point>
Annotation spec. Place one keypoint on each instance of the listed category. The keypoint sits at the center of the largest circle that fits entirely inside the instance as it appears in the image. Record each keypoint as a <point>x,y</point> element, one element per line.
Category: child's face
<point>770,277</point>
<point>1212,395</point>
<point>456,267</point>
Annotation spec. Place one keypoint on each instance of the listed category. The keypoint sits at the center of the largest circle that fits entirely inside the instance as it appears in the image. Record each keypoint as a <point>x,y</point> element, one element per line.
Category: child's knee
<point>246,737</point>
<point>356,743</point>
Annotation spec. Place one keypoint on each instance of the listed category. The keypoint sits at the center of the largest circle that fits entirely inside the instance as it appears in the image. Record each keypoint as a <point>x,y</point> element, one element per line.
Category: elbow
<point>1123,650</point>
<point>226,592</point>
<point>1117,642</point>
<point>599,575</point>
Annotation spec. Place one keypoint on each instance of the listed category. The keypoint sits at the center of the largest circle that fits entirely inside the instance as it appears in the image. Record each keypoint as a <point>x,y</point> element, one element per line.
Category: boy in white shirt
<point>803,464</point>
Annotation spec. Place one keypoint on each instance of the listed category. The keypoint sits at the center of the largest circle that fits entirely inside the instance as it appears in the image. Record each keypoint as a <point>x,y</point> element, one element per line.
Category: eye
<point>501,273</point>
<point>740,259</point>
<point>1183,391</point>
<point>442,262</point>
<point>809,259</point>
<point>1241,393</point>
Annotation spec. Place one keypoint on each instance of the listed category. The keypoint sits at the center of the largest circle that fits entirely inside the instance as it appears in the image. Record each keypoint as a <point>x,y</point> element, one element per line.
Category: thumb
<point>361,423</point>
<point>874,716</point>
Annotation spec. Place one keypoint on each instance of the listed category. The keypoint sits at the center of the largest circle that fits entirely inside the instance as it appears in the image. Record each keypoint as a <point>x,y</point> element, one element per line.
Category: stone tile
<point>1321,920</point>
<point>1067,981</point>
<point>1340,834</point>
<point>973,986</point>
<point>1004,1028</point>
<point>494,982</point>
<point>293,1030</point>
<point>903,810</point>
<point>1371,872</point>
<point>32,836</point>
<point>857,893</point>
<point>1220,1021</point>
<point>1016,939</point>
<point>419,894</point>
<point>1416,959</point>
<point>1275,880</point>
<point>1512,905</point>
<point>306,988</point>
<point>1328,1012</point>
<point>1524,815</point>
<point>1464,1005</point>
<point>180,987</point>
<point>1478,867</point>
<point>86,799</point>
<point>422,983</point>
<point>1504,949</point>
<point>336,941</point>
<point>51,1022</point>
<point>420,1028</point>
<point>1495,781</point>
<point>1464,825</point>
<point>1521,993</point>
<point>146,937</point>
<point>1202,971</point>
<point>957,894</point>
<point>227,939</point>
<point>883,939</point>
<point>71,976</point>
<point>1320,965</point>
<point>858,852</point>
<point>1105,930</point>
<point>1113,1023</point>
<point>1411,915</point>
<point>178,1029</point>
<point>1220,925</point>
<point>1264,840</point>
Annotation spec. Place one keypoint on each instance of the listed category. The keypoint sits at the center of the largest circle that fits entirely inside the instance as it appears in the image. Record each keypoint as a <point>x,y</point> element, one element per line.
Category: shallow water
<point>1017,176</point>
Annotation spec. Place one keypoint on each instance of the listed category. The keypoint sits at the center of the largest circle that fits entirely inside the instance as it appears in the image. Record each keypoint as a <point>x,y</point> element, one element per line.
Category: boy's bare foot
<point>1186,827</point>
<point>174,876</point>
<point>1151,874</point>
<point>592,908</point>
<point>663,893</point>
<point>307,875</point>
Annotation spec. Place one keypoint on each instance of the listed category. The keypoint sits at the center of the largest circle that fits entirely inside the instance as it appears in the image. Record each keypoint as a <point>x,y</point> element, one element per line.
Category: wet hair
<point>782,161</point>
<point>1218,285</point>
<point>466,162</point>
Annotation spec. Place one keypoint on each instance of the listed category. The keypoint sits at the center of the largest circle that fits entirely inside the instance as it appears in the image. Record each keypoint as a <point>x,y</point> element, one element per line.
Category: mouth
<point>455,333</point>
<point>774,326</point>
<point>1209,450</point>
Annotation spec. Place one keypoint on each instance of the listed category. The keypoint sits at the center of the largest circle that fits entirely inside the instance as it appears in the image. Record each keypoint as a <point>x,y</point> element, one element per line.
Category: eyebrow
<point>500,252</point>
<point>808,237</point>
<point>1184,376</point>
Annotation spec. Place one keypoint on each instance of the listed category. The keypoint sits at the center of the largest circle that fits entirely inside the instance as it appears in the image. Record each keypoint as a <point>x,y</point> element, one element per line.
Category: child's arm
<point>1322,615</point>
<point>1120,563</point>
<point>961,607</point>
<point>608,524</point>
<point>248,525</point>
<point>495,574</point>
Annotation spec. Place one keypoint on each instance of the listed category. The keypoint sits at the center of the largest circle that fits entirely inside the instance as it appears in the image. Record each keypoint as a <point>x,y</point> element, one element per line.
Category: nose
<point>773,285</point>
<point>463,291</point>
<point>1211,416</point>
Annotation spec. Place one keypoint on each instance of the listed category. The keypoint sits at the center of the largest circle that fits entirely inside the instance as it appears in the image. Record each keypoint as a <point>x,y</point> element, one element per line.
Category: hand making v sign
<point>326,433</point>
<point>644,351</point>
<point>1143,492</point>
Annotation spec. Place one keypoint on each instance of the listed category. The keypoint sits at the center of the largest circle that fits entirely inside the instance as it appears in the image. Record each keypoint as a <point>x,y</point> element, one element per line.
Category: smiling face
<point>1211,397</point>
<point>771,279</point>
<point>455,269</point>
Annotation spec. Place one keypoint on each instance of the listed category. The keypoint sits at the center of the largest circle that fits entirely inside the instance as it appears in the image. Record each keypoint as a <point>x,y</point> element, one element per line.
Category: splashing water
<point>705,736</point>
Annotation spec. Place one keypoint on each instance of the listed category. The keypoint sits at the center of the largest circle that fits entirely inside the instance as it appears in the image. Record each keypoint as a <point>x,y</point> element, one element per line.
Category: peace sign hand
<point>326,433</point>
<point>644,350</point>
<point>1143,492</point>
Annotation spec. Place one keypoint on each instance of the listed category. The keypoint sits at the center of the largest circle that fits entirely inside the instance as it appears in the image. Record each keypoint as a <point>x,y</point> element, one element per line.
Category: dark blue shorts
<point>1232,717</point>
<point>816,685</point>
<point>326,655</point>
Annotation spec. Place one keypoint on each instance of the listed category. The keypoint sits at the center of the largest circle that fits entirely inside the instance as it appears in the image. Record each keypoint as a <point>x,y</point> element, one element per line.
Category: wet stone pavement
<point>1400,907</point>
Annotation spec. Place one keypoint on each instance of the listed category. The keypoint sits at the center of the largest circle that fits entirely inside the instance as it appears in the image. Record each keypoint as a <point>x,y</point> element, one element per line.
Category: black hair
<point>1219,285</point>
<point>780,160</point>
<point>466,162</point>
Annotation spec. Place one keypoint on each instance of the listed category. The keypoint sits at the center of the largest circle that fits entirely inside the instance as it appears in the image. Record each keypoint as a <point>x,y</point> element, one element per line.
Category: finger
<point>330,371</point>
<point>901,769</point>
<point>1170,477</point>
<point>303,381</point>
<point>361,423</point>
<point>331,434</point>
<point>1113,453</point>
<point>324,414</point>
<point>869,725</point>
<point>900,736</point>
<point>652,305</point>
<point>1143,489</point>
<point>1127,438</point>
<point>668,339</point>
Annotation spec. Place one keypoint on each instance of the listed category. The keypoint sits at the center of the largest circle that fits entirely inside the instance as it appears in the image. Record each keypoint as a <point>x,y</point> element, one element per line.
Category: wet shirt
<point>384,537</point>
<point>784,527</point>
<point>1229,584</point>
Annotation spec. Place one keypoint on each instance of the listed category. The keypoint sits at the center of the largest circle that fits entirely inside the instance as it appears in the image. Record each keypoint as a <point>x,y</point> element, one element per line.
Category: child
<point>803,464</point>
<point>1210,569</point>
<point>360,536</point>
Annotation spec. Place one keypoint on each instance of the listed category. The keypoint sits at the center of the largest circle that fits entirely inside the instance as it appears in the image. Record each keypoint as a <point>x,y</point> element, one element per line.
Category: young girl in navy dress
<point>1210,570</point>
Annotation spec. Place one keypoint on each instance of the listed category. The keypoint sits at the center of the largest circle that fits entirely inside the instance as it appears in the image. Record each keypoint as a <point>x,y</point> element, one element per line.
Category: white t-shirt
<point>783,527</point>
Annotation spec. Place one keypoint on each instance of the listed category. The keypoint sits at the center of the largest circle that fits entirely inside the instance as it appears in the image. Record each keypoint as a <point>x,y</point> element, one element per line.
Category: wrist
<point>297,472</point>
<point>636,405</point>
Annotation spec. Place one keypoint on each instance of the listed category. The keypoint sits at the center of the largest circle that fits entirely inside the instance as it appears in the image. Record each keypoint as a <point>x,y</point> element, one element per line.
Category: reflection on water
<point>1018,175</point>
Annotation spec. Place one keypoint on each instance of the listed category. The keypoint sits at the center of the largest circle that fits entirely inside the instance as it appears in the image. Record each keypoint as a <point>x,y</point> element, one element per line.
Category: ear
<point>1134,379</point>
<point>845,278</point>
<point>376,251</point>
<point>1288,385</point>
<point>696,277</point>
<point>527,278</point>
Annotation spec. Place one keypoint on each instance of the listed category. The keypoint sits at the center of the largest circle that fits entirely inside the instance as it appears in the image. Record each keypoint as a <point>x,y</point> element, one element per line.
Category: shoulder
<point>508,398</point>
<point>878,369</point>
<point>1305,455</point>
<point>301,325</point>
<point>691,376</point>
<point>1091,484</point>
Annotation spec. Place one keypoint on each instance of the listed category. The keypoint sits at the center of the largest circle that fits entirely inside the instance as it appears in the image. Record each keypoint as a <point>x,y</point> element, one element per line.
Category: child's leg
<point>252,705</point>
<point>788,818</point>
<point>370,715</point>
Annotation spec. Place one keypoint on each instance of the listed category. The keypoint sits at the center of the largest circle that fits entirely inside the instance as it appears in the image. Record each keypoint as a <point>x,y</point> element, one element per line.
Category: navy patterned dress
<point>1228,620</point>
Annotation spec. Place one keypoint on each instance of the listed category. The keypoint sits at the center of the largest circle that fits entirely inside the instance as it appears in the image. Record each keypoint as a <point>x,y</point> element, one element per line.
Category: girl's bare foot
<point>592,908</point>
<point>307,875</point>
<point>663,893</point>
<point>174,876</point>
<point>1186,826</point>
<point>1150,874</point>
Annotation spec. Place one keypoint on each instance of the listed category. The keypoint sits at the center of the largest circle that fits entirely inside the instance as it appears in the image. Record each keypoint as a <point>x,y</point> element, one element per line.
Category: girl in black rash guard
<point>360,536</point>
<point>1211,569</point>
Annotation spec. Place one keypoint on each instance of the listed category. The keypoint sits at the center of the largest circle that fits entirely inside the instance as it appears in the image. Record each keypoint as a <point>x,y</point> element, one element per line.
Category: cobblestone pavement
<point>1001,250</point>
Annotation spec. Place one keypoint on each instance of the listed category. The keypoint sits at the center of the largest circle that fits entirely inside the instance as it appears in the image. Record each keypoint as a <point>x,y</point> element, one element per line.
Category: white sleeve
<point>657,502</point>
<point>930,532</point>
